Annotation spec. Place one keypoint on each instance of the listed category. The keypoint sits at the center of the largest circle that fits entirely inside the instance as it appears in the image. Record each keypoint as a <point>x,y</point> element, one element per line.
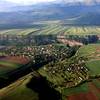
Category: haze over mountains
<point>85,12</point>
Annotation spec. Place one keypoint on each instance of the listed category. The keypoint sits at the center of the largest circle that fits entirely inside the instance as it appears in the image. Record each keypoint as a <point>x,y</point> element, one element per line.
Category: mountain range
<point>76,13</point>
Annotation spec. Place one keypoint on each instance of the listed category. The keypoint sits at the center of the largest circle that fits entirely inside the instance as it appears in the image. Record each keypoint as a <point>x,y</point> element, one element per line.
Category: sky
<point>36,1</point>
<point>29,1</point>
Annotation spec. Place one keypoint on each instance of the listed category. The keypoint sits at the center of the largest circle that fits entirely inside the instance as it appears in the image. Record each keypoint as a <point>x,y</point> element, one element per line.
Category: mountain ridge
<point>27,15</point>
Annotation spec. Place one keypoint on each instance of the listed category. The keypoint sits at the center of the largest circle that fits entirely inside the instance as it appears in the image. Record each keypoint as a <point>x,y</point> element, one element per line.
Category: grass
<point>89,50</point>
<point>92,52</point>
<point>97,82</point>
<point>52,78</point>
<point>83,88</point>
<point>94,67</point>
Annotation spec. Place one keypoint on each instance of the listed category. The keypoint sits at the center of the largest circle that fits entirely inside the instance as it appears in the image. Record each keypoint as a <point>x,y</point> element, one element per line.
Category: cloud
<point>29,1</point>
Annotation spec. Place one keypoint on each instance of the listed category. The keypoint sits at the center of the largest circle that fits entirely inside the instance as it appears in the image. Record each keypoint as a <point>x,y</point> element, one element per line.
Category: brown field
<point>93,94</point>
<point>97,49</point>
<point>16,59</point>
<point>70,42</point>
<point>83,96</point>
<point>94,90</point>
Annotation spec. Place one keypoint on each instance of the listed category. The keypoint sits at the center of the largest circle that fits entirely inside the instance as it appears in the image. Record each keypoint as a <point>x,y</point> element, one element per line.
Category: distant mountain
<point>79,2</point>
<point>85,19</point>
<point>71,13</point>
<point>88,19</point>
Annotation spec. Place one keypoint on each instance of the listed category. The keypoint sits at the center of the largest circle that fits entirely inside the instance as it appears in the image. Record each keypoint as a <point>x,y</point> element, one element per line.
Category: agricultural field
<point>84,30</point>
<point>11,63</point>
<point>52,30</point>
<point>92,52</point>
<point>50,50</point>
<point>86,91</point>
<point>18,31</point>
<point>69,76</point>
<point>20,88</point>
<point>55,29</point>
<point>15,60</point>
<point>67,72</point>
<point>94,67</point>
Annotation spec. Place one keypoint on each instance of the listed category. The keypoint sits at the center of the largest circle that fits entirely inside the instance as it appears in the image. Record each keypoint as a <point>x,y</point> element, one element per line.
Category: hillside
<point>88,19</point>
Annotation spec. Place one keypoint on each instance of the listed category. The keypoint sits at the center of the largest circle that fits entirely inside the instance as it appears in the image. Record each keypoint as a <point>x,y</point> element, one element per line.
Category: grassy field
<point>83,88</point>
<point>97,82</point>
<point>94,67</point>
<point>92,52</point>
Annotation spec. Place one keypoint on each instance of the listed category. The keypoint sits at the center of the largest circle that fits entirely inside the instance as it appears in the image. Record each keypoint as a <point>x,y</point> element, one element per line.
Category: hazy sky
<point>37,1</point>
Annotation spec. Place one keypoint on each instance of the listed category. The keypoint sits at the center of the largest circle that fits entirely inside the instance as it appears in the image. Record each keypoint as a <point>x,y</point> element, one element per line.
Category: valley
<point>50,50</point>
<point>66,57</point>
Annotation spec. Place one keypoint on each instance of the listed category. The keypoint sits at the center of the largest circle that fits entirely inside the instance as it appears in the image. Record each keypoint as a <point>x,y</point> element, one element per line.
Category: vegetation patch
<point>94,67</point>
